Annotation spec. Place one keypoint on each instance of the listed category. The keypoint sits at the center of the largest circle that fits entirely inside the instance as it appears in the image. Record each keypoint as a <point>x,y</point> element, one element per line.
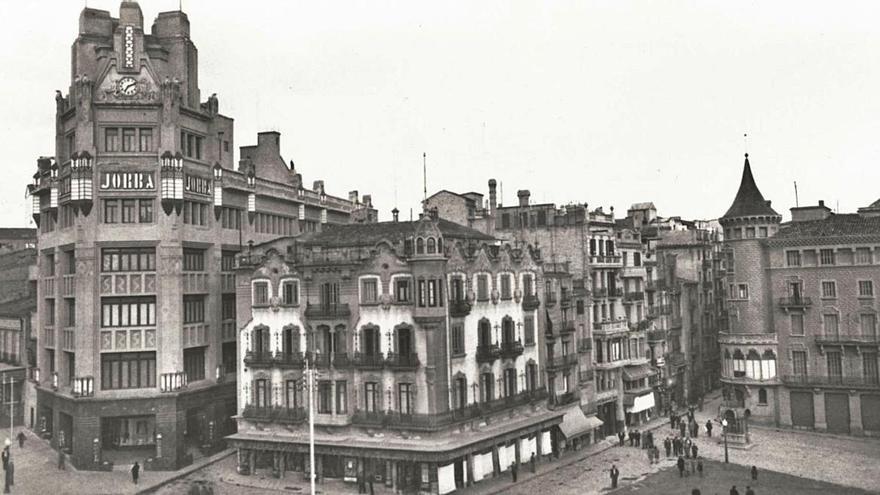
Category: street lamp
<point>724,434</point>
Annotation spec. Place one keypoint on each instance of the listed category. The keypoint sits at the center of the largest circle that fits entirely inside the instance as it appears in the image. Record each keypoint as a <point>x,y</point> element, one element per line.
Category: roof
<point>637,372</point>
<point>643,206</point>
<point>367,234</point>
<point>836,225</point>
<point>19,307</point>
<point>18,233</point>
<point>749,201</point>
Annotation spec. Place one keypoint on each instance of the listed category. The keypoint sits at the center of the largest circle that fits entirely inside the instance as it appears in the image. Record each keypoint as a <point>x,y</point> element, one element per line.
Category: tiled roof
<point>749,201</point>
<point>679,238</point>
<point>643,206</point>
<point>367,234</point>
<point>840,225</point>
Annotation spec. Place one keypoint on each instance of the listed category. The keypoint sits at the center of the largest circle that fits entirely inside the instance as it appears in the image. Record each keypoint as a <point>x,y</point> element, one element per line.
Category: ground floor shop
<point>843,411</point>
<point>161,432</point>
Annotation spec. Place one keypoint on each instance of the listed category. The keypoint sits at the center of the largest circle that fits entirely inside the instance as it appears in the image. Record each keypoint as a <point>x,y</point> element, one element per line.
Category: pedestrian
<point>693,466</point>
<point>650,436</point>
<point>614,474</point>
<point>21,438</point>
<point>676,446</point>
<point>5,457</point>
<point>709,427</point>
<point>11,472</point>
<point>656,455</point>
<point>681,428</point>
<point>667,446</point>
<point>672,420</point>
<point>749,491</point>
<point>513,472</point>
<point>60,458</point>
<point>638,435</point>
<point>135,472</point>
<point>650,456</point>
<point>734,491</point>
<point>680,465</point>
<point>696,429</point>
<point>532,461</point>
<point>700,466</point>
<point>694,450</point>
<point>632,437</point>
<point>621,437</point>
<point>7,481</point>
<point>755,474</point>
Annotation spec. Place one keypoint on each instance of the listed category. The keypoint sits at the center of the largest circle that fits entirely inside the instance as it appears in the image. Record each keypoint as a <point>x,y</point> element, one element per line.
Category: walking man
<point>135,472</point>
<point>694,450</point>
<point>532,460</point>
<point>709,427</point>
<point>621,437</point>
<point>700,466</point>
<point>734,491</point>
<point>667,446</point>
<point>614,474</point>
<point>680,466</point>
<point>513,472</point>
<point>755,474</point>
<point>21,438</point>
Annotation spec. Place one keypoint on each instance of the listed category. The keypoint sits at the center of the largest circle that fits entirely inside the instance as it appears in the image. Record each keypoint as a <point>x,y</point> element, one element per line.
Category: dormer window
<point>420,246</point>
<point>432,246</point>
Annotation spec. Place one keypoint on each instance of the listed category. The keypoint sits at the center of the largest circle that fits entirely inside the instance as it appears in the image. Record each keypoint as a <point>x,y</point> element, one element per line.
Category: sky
<point>601,102</point>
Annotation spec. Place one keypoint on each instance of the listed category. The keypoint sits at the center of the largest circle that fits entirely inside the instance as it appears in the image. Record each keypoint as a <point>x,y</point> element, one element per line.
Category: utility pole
<point>310,373</point>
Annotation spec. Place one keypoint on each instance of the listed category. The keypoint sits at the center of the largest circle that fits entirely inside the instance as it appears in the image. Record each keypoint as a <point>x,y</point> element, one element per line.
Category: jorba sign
<point>197,185</point>
<point>127,181</point>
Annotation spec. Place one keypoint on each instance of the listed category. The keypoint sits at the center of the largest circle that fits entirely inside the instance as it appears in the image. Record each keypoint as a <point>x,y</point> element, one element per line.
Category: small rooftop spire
<point>749,201</point>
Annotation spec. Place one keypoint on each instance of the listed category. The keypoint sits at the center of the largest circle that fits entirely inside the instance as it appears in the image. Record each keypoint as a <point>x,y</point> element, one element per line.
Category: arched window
<point>768,365</point>
<point>753,365</point>
<point>487,387</point>
<point>739,364</point>
<point>484,333</point>
<point>508,331</point>
<point>432,245</point>
<point>459,397</point>
<point>420,246</point>
<point>440,245</point>
<point>762,396</point>
<point>261,339</point>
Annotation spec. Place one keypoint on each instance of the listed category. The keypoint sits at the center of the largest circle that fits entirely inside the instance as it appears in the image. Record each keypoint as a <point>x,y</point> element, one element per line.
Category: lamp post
<point>724,434</point>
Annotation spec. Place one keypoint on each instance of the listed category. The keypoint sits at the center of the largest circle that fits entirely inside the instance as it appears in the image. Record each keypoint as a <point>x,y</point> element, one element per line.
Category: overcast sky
<point>607,103</point>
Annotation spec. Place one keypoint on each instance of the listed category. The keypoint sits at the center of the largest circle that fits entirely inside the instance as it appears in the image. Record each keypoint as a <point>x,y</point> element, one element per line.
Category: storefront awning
<point>632,373</point>
<point>641,403</point>
<point>575,423</point>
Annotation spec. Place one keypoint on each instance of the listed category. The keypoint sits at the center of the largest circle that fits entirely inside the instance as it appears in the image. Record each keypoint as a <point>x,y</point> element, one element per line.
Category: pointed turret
<point>749,201</point>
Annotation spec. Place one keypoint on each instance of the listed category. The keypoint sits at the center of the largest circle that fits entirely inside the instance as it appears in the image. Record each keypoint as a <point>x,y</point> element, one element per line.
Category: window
<point>230,218</point>
<point>739,364</point>
<point>128,312</point>
<point>70,320</point>
<point>432,246</point>
<point>420,246</point>
<point>128,370</point>
<point>341,397</point>
<point>191,145</point>
<point>750,232</point>
<point>829,288</point>
<point>292,394</point>
<point>762,396</point>
<point>261,293</point>
<point>405,398</point>
<point>529,329</point>
<point>128,211</point>
<point>797,324</point>
<point>111,140</point>
<point>402,290</point>
<point>145,138</point>
<point>863,256</point>
<point>868,322</point>
<point>799,362</point>
<point>325,397</point>
<point>542,218</point>
<point>111,210</point>
<point>70,262</point>
<point>369,291</point>
<point>227,261</point>
<point>869,367</point>
<point>866,288</point>
<point>193,309</point>
<point>193,260</point>
<point>229,357</point>
<point>505,286</point>
<point>290,292</point>
<point>457,339</point>
<point>835,366</point>
<point>637,259</point>
<point>482,287</point>
<point>194,364</point>
<point>487,387</point>
<point>826,257</point>
<point>371,397</point>
<point>128,259</point>
<point>793,258</point>
<point>195,213</point>
<point>261,393</point>
<point>742,291</point>
<point>831,324</point>
<point>128,139</point>
<point>70,140</point>
<point>145,211</point>
<point>329,294</point>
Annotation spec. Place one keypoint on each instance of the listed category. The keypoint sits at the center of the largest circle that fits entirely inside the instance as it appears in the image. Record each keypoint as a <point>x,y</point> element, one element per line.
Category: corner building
<point>141,212</point>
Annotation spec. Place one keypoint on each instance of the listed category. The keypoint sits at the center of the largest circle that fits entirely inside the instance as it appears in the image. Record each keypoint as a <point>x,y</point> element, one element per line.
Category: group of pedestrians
<point>749,491</point>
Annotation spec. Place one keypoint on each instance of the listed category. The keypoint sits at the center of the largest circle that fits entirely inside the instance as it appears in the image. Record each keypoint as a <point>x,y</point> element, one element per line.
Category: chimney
<point>353,197</point>
<point>368,200</point>
<point>493,198</point>
<point>807,213</point>
<point>318,187</point>
<point>523,195</point>
<point>394,214</point>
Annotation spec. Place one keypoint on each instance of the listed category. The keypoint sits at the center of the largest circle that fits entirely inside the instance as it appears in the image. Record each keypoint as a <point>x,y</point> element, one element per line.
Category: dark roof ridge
<point>749,201</point>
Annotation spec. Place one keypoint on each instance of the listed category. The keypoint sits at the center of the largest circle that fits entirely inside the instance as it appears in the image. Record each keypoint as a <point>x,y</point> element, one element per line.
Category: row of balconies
<point>339,360</point>
<point>133,283</point>
<point>602,292</point>
<point>610,327</point>
<point>871,382</point>
<point>606,260</point>
<point>507,350</point>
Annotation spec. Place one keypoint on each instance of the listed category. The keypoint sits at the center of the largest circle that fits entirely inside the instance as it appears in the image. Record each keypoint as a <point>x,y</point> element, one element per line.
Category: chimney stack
<point>394,213</point>
<point>493,198</point>
<point>523,195</point>
<point>318,187</point>
<point>353,197</point>
<point>368,200</point>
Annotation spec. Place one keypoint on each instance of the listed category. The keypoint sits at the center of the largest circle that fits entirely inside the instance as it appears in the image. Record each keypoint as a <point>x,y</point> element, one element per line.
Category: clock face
<point>127,86</point>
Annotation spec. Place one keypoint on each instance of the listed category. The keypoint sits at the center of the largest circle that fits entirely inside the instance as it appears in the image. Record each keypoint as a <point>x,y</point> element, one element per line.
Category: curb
<point>187,471</point>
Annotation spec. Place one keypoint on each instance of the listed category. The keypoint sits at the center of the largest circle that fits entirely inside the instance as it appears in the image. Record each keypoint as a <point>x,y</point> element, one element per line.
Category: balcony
<point>340,360</point>
<point>610,327</point>
<point>677,359</point>
<point>846,339</point>
<point>565,300</point>
<point>656,335</point>
<point>459,309</point>
<point>565,399</point>
<point>555,363</point>
<point>328,311</point>
<point>832,381</point>
<point>487,353</point>
<point>127,283</point>
<point>640,326</point>
<point>585,345</point>
<point>68,285</point>
<point>633,297</point>
<point>275,414</point>
<point>259,359</point>
<point>633,272</point>
<point>289,359</point>
<point>568,326</point>
<point>375,361</point>
<point>611,261</point>
<point>799,302</point>
<point>84,386</point>
<point>172,382</point>
<point>320,359</point>
<point>530,302</point>
<point>511,350</point>
<point>405,361</point>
